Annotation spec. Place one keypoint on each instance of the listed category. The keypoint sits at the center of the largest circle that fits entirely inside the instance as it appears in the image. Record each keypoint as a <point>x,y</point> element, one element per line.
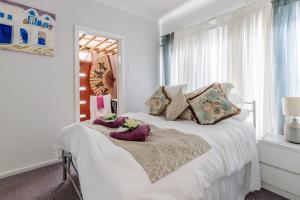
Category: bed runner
<point>164,151</point>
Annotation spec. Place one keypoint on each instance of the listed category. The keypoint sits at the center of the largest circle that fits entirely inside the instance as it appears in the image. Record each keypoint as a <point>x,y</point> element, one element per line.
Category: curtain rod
<point>247,3</point>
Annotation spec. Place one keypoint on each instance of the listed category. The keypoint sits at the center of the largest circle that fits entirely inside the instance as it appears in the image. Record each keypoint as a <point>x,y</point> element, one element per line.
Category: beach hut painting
<point>26,29</point>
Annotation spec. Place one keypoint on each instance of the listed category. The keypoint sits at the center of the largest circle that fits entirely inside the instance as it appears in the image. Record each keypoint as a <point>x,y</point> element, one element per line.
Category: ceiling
<point>150,9</point>
<point>89,43</point>
<point>165,10</point>
<point>189,15</point>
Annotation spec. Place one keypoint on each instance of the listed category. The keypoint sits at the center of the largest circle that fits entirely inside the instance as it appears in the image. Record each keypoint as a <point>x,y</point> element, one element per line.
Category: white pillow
<point>227,87</point>
<point>235,99</point>
<point>171,91</point>
<point>244,114</point>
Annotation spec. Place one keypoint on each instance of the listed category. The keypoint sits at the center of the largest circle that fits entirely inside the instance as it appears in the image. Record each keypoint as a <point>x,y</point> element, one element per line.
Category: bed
<point>229,170</point>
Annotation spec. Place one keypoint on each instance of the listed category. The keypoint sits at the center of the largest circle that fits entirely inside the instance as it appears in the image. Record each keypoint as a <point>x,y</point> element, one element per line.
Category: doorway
<point>98,74</point>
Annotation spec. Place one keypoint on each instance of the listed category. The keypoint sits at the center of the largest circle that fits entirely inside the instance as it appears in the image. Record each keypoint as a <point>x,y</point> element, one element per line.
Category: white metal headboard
<point>252,109</point>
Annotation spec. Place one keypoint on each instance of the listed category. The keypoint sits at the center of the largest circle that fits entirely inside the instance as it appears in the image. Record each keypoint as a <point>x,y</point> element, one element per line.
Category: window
<point>1,14</point>
<point>9,17</point>
<point>31,12</point>
<point>24,35</point>
<point>234,50</point>
<point>42,38</point>
<point>31,20</point>
<point>45,25</point>
<point>6,34</point>
<point>39,23</point>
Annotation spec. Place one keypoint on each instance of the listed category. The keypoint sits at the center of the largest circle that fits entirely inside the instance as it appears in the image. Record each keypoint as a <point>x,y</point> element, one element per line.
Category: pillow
<point>235,99</point>
<point>195,93</point>
<point>171,91</point>
<point>187,114</point>
<point>242,116</point>
<point>158,102</point>
<point>212,106</point>
<point>226,87</point>
<point>177,106</point>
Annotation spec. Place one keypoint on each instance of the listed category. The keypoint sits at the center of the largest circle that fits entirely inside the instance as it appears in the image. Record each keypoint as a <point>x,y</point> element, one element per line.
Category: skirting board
<point>280,192</point>
<point>28,168</point>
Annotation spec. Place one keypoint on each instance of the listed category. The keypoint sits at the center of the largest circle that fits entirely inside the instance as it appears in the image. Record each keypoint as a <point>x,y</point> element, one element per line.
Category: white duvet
<point>108,172</point>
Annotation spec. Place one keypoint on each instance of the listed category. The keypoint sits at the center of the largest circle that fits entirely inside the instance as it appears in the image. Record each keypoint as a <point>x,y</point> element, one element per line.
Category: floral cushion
<point>187,114</point>
<point>212,106</point>
<point>226,87</point>
<point>158,102</point>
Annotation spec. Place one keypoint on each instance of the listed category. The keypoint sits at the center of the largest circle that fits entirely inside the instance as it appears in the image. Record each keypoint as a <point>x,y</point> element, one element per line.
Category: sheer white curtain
<point>250,59</point>
<point>237,49</point>
<point>200,56</point>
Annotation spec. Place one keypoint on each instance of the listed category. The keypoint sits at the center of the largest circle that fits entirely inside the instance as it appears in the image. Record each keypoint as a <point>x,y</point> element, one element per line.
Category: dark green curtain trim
<point>166,39</point>
<point>166,44</point>
<point>279,3</point>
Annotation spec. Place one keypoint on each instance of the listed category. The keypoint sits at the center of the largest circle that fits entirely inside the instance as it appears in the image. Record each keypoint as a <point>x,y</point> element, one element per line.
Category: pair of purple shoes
<point>139,134</point>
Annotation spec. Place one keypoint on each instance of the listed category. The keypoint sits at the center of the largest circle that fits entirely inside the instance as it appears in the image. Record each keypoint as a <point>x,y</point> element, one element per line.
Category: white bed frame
<point>68,162</point>
<point>252,110</point>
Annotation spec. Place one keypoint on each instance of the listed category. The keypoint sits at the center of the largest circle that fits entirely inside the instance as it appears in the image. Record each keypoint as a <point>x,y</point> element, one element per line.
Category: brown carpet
<point>46,184</point>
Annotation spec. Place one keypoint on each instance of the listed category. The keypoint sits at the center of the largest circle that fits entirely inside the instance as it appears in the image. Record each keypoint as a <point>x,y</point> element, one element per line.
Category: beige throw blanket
<point>165,150</point>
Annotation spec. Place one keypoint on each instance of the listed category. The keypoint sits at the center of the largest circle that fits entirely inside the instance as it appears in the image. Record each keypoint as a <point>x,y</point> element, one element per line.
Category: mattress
<point>110,172</point>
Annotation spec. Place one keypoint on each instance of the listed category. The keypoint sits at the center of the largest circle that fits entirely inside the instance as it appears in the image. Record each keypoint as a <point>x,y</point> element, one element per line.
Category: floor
<point>46,184</point>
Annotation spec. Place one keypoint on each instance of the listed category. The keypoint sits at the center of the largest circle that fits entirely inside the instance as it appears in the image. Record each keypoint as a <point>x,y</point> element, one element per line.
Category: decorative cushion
<point>226,87</point>
<point>171,91</point>
<point>158,102</point>
<point>195,93</point>
<point>187,114</point>
<point>212,106</point>
<point>177,106</point>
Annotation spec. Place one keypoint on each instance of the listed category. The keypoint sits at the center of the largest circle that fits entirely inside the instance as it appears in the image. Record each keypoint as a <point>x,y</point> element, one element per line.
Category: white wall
<point>37,92</point>
<point>214,9</point>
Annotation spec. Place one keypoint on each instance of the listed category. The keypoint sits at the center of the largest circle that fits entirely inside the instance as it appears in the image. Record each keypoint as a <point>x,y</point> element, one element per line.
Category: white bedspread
<point>111,173</point>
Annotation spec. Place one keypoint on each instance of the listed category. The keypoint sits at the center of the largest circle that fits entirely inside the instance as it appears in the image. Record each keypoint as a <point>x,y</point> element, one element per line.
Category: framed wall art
<point>26,29</point>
